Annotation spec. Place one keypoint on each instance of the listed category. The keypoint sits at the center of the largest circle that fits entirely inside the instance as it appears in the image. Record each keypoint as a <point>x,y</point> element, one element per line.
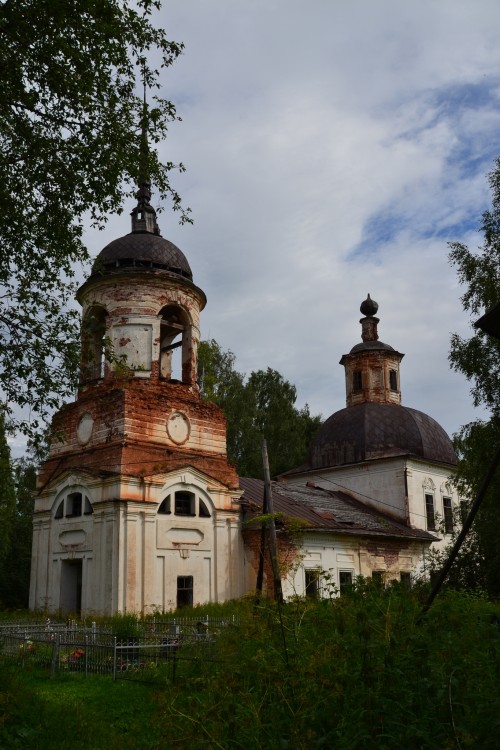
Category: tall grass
<point>362,671</point>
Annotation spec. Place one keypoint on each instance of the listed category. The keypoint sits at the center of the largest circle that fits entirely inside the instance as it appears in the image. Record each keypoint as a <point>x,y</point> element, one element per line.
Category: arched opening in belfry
<point>175,345</point>
<point>92,366</point>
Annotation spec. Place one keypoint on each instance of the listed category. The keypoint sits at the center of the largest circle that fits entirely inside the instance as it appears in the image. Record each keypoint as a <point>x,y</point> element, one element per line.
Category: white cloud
<point>332,150</point>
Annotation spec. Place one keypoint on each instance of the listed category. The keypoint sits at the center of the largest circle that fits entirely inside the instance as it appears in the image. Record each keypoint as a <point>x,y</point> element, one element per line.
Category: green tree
<point>15,583</point>
<point>262,407</point>
<point>70,144</point>
<point>7,506</point>
<point>222,384</point>
<point>478,358</point>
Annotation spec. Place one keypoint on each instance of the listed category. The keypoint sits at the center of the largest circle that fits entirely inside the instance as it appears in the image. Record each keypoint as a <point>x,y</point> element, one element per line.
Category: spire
<point>144,215</point>
<point>369,323</point>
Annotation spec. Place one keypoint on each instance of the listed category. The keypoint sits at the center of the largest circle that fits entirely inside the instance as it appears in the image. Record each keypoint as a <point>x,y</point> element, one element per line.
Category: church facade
<point>398,460</point>
<point>138,508</point>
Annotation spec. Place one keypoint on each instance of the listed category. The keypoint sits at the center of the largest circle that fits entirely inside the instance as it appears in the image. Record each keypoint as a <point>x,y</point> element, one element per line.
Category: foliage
<point>7,502</point>
<point>365,670</point>
<point>257,408</point>
<point>477,567</point>
<point>70,139</point>
<point>478,358</point>
<point>16,509</point>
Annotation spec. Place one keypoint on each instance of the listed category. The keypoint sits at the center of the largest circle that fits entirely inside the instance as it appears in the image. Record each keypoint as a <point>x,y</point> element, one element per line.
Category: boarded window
<point>184,591</point>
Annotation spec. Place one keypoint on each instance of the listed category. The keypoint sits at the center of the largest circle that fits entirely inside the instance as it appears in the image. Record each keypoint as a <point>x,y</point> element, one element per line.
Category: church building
<point>138,508</point>
<point>398,459</point>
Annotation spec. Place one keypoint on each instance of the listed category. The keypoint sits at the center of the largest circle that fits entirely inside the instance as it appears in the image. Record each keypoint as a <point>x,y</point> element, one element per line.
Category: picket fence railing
<point>155,651</point>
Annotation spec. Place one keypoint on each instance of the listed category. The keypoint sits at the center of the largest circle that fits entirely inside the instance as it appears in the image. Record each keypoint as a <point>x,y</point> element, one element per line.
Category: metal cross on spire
<point>144,215</point>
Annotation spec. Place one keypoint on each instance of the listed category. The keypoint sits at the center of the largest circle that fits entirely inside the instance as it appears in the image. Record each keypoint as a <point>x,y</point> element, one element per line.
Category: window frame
<point>448,515</point>
<point>185,588</point>
<point>393,381</point>
<point>312,583</point>
<point>344,586</point>
<point>184,497</point>
<point>357,381</point>
<point>430,511</point>
<point>378,578</point>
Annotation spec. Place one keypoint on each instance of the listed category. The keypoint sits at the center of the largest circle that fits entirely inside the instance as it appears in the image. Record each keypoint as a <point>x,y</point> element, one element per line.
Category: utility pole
<point>268,503</point>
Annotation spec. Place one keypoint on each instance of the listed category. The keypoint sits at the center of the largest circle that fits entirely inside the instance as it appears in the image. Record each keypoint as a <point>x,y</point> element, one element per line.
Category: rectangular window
<point>74,505</point>
<point>378,578</point>
<point>393,380</point>
<point>429,511</point>
<point>357,381</point>
<point>448,515</point>
<point>312,578</point>
<point>345,580</point>
<point>405,579</point>
<point>184,591</point>
<point>184,504</point>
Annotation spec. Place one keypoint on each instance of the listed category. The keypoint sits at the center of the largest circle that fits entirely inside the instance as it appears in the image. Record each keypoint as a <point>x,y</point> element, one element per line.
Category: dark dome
<point>371,345</point>
<point>367,431</point>
<point>142,250</point>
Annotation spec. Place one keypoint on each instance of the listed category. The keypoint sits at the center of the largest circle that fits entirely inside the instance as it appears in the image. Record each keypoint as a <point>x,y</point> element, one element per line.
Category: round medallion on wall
<point>178,427</point>
<point>85,427</point>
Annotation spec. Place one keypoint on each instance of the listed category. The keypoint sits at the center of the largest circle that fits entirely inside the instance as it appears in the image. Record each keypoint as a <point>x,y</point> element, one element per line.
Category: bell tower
<point>137,506</point>
<point>372,367</point>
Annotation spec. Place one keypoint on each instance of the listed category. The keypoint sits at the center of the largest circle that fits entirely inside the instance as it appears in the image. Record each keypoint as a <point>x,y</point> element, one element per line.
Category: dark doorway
<point>71,586</point>
<point>184,591</point>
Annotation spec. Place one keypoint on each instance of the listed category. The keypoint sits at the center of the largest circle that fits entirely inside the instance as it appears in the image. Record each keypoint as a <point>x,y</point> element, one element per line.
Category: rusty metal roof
<point>368,431</point>
<point>142,250</point>
<point>328,510</point>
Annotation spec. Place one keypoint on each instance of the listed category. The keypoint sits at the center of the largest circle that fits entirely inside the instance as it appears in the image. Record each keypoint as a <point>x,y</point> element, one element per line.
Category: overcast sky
<point>333,148</point>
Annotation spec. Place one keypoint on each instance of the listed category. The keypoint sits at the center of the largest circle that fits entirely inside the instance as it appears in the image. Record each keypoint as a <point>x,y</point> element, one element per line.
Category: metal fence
<point>159,649</point>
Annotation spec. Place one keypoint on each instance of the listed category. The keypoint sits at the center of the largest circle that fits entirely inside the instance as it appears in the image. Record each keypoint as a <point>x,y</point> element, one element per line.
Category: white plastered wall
<point>131,556</point>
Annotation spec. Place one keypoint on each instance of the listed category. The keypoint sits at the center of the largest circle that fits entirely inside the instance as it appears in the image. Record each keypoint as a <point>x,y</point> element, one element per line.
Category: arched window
<point>203,512</point>
<point>175,345</point>
<point>164,508</point>
<point>184,504</point>
<point>73,505</point>
<point>93,345</point>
